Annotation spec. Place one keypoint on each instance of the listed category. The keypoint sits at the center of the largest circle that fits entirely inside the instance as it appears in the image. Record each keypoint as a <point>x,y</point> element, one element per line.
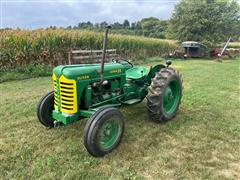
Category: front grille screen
<point>65,96</point>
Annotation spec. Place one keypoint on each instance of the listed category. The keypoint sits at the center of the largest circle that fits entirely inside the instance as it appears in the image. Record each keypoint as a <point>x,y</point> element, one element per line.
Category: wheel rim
<point>171,97</point>
<point>109,133</point>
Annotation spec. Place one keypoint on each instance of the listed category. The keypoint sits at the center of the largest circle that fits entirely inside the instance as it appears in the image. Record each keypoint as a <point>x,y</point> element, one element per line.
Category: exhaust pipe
<point>104,55</point>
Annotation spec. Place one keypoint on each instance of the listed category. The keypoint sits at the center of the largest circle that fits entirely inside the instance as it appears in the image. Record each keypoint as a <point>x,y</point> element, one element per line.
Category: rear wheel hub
<point>171,97</point>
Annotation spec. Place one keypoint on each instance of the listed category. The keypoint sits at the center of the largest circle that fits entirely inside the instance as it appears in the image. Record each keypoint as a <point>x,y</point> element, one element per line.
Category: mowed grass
<point>202,141</point>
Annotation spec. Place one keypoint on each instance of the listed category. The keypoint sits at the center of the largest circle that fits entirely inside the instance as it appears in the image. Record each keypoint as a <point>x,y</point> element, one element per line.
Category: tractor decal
<point>117,71</point>
<point>83,77</point>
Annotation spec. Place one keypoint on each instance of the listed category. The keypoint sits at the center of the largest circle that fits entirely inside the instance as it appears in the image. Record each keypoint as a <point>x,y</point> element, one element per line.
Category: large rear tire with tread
<point>103,131</point>
<point>164,95</point>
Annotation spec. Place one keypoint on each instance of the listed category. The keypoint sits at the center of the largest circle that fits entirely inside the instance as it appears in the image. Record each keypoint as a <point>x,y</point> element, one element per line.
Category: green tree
<point>208,21</point>
<point>138,25</point>
<point>103,24</point>
<point>117,25</point>
<point>133,25</point>
<point>126,23</point>
<point>149,23</point>
<point>84,25</point>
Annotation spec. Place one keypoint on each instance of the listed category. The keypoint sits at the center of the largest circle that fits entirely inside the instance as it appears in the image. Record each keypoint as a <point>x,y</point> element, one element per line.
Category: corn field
<point>21,47</point>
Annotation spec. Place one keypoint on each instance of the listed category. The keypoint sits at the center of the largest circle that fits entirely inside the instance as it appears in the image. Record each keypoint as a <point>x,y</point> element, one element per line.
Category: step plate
<point>132,101</point>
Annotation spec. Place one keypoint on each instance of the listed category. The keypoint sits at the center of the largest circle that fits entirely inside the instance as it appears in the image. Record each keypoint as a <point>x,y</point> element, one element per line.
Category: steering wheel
<point>117,61</point>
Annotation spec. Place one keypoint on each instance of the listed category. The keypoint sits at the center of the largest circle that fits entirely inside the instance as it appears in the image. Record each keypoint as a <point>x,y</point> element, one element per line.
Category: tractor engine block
<point>108,90</point>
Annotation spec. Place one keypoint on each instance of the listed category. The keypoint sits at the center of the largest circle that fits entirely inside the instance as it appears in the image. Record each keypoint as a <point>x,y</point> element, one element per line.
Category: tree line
<point>149,27</point>
<point>208,21</point>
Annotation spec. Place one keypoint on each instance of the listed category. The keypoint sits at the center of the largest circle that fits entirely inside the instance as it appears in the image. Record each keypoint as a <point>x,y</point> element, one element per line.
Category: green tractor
<point>95,91</point>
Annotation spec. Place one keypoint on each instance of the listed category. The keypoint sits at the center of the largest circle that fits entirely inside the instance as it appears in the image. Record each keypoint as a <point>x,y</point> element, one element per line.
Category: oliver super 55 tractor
<point>96,90</point>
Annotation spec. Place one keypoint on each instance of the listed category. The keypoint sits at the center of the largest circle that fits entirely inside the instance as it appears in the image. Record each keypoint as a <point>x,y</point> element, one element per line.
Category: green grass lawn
<point>202,141</point>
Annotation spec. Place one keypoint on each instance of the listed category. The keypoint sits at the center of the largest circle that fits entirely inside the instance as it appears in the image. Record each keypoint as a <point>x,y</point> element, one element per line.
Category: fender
<point>153,71</point>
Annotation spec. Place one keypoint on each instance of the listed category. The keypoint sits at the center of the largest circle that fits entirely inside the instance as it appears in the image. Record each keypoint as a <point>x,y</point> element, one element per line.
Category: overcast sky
<point>44,13</point>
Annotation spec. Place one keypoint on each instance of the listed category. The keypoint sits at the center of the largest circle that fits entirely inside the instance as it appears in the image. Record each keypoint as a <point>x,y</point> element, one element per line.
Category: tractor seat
<point>136,72</point>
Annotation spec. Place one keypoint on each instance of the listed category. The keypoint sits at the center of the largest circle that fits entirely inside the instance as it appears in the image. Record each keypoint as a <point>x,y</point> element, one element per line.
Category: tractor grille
<point>65,96</point>
<point>55,93</point>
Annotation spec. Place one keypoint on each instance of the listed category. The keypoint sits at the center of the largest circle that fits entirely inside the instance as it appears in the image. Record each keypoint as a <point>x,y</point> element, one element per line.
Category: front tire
<point>103,131</point>
<point>45,108</point>
<point>164,95</point>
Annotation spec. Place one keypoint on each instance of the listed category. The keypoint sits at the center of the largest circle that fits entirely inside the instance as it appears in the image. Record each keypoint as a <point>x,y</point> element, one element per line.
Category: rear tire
<point>164,95</point>
<point>45,108</point>
<point>103,131</point>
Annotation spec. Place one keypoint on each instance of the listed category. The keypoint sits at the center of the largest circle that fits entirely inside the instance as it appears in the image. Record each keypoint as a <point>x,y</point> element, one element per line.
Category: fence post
<point>69,56</point>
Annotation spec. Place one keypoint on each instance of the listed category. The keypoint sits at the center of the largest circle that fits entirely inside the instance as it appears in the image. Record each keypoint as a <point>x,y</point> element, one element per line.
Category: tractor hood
<point>86,71</point>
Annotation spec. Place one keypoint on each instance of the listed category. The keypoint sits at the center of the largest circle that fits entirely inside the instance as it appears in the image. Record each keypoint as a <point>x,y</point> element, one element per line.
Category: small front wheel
<point>103,131</point>
<point>45,108</point>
